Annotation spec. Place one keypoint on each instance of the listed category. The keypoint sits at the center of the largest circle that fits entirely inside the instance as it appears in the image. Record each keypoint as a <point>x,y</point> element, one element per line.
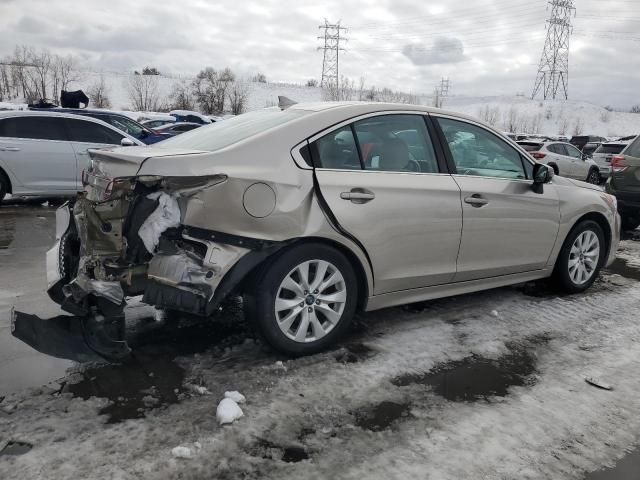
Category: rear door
<point>561,158</point>
<point>579,167</point>
<point>38,154</point>
<point>384,181</point>
<point>507,227</point>
<point>85,134</point>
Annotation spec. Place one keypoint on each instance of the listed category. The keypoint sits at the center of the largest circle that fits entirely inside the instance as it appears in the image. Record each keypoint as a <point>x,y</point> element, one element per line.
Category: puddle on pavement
<point>151,379</point>
<point>272,451</point>
<point>381,416</point>
<point>354,352</point>
<point>622,268</point>
<point>16,448</point>
<point>475,377</point>
<point>626,468</point>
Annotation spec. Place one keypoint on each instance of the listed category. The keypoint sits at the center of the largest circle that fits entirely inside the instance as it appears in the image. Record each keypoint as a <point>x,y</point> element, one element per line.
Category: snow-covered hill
<point>507,113</point>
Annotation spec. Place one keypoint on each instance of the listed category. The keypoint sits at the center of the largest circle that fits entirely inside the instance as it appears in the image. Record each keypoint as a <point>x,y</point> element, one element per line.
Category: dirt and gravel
<point>489,385</point>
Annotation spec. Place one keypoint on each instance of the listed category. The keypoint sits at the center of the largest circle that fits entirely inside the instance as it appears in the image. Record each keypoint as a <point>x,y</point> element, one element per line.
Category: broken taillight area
<point>124,237</point>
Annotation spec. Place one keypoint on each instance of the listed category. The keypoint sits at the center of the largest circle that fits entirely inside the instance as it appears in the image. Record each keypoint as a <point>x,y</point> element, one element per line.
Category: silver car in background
<point>44,153</point>
<point>605,152</point>
<point>564,158</point>
<point>313,212</point>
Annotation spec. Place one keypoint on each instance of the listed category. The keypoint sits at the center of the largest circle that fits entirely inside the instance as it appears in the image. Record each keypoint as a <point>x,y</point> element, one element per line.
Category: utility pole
<point>330,62</point>
<point>441,92</point>
<point>553,72</point>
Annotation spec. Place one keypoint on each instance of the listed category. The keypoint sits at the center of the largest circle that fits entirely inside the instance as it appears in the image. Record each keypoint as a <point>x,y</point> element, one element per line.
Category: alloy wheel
<point>583,257</point>
<point>310,301</point>
<point>594,178</point>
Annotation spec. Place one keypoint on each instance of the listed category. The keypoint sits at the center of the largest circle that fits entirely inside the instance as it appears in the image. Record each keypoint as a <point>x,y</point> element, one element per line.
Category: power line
<point>330,60</point>
<point>553,71</point>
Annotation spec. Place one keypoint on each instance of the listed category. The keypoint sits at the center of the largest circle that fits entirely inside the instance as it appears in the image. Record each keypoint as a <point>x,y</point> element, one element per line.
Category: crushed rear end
<point>124,237</point>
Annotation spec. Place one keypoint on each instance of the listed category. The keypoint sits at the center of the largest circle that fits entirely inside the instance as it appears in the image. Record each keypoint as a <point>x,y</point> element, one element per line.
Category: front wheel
<point>304,300</point>
<point>593,177</point>
<point>581,257</point>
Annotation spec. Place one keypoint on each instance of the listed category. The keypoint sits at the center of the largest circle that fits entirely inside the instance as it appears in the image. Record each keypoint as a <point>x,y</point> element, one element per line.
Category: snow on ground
<point>362,411</point>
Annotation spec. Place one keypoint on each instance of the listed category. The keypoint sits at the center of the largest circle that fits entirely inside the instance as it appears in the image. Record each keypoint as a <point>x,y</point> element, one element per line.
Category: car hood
<point>126,161</point>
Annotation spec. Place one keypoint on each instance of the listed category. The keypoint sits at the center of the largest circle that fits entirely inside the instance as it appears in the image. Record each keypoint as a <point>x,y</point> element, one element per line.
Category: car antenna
<point>285,102</point>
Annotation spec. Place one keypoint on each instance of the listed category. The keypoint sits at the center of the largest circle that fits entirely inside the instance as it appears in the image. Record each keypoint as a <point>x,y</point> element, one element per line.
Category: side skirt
<point>403,297</point>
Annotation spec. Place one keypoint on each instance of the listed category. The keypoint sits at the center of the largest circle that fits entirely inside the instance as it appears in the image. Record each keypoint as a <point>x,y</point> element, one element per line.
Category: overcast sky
<point>485,47</point>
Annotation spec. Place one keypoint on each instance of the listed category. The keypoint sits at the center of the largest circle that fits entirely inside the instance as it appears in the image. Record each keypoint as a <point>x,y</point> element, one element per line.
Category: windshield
<point>125,124</point>
<point>222,134</point>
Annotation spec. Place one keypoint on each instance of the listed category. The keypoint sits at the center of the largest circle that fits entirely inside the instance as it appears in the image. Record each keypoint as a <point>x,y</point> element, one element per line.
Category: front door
<point>382,181</point>
<point>508,228</point>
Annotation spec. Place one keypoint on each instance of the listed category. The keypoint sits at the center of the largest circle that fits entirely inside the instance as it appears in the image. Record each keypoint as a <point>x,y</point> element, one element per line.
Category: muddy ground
<point>488,385</point>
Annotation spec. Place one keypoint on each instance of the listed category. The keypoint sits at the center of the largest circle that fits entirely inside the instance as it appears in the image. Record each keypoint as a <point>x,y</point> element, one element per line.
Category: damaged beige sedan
<point>313,212</point>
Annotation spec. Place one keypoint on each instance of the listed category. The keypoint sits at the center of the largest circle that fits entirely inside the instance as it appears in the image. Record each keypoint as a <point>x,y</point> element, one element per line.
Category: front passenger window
<point>478,152</point>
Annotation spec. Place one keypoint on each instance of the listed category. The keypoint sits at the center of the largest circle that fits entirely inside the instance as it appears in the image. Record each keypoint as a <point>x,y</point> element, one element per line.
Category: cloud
<point>443,50</point>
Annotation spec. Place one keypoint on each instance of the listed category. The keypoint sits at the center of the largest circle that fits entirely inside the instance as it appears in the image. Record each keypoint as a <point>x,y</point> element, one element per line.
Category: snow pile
<point>167,215</point>
<point>228,411</point>
<point>186,452</point>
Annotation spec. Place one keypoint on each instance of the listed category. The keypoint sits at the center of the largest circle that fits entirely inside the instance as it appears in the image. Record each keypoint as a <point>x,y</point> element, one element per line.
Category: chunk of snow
<point>166,215</point>
<point>199,389</point>
<point>228,411</point>
<point>182,452</point>
<point>235,396</point>
<point>596,382</point>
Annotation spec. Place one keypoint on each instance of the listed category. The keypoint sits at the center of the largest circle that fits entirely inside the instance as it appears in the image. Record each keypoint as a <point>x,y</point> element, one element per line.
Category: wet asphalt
<point>27,231</point>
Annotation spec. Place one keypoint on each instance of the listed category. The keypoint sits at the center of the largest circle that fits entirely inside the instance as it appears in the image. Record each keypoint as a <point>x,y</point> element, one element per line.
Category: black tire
<point>561,275</point>
<point>593,176</point>
<point>260,299</point>
<point>630,223</point>
<point>5,186</point>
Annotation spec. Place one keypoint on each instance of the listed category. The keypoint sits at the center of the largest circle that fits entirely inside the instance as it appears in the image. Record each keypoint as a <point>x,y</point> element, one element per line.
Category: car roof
<point>79,110</point>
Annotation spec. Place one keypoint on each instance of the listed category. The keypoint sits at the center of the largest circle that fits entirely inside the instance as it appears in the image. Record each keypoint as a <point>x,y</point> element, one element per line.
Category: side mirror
<point>541,174</point>
<point>127,142</point>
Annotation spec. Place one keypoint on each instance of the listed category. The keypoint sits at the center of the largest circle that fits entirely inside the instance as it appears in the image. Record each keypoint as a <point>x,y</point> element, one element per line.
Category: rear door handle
<point>358,195</point>
<point>83,152</point>
<point>476,200</point>
<point>9,149</point>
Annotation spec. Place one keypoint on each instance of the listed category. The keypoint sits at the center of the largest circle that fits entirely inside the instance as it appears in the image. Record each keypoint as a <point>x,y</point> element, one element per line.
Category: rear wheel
<point>630,223</point>
<point>581,257</point>
<point>304,300</point>
<point>593,177</point>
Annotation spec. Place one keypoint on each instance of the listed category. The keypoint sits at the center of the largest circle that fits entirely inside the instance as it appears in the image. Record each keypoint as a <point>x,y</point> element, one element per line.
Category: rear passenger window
<point>89,132</point>
<point>396,143</point>
<point>633,150</point>
<point>32,127</point>
<point>337,150</point>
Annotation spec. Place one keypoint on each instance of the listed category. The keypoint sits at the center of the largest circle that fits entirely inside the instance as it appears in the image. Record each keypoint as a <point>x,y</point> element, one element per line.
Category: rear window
<point>32,127</point>
<point>219,135</point>
<point>610,148</point>
<point>530,146</point>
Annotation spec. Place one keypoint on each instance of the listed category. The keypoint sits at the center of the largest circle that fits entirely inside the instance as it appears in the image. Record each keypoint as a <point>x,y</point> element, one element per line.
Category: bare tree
<point>181,97</point>
<point>237,95</point>
<point>563,126</point>
<point>578,126</point>
<point>312,83</point>
<point>512,121</point>
<point>143,92</point>
<point>490,115</point>
<point>98,94</point>
<point>343,91</point>
<point>63,72</point>
<point>210,89</point>
<point>42,62</point>
<point>259,78</point>
<point>605,116</point>
<point>635,109</point>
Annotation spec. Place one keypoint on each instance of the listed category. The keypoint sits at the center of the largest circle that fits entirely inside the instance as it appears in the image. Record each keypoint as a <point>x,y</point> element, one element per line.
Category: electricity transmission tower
<point>441,92</point>
<point>330,61</point>
<point>444,87</point>
<point>553,71</point>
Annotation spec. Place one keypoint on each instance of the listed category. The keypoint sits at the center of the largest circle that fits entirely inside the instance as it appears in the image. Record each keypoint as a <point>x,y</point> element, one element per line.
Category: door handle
<point>9,149</point>
<point>476,200</point>
<point>358,195</point>
<point>83,152</point>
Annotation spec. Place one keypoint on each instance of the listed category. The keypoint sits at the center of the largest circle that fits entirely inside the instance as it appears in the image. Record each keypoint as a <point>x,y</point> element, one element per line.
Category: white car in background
<point>605,152</point>
<point>43,153</point>
<point>565,159</point>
